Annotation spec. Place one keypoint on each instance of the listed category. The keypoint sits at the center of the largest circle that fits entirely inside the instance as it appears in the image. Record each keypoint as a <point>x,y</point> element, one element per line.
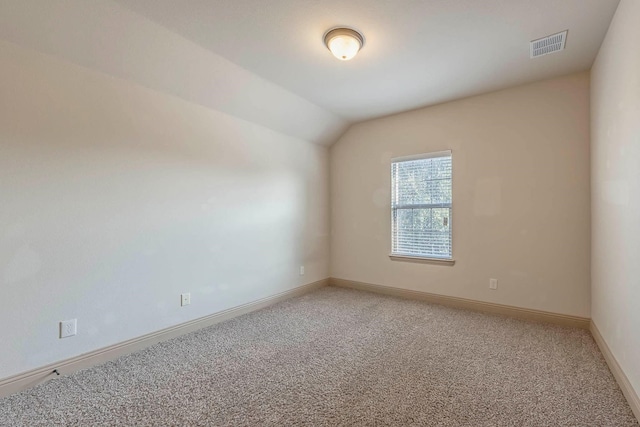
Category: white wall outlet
<point>68,328</point>
<point>302,270</point>
<point>185,299</point>
<point>493,284</point>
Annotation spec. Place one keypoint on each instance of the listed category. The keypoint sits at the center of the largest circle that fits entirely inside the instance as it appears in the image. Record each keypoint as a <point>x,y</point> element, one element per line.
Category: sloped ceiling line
<point>105,36</point>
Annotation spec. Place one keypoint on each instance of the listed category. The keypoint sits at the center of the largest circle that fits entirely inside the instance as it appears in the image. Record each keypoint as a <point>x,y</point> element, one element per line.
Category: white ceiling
<point>417,52</point>
<point>106,37</point>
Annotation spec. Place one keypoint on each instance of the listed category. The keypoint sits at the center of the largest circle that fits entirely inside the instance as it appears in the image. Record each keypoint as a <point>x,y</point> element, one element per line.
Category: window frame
<point>429,258</point>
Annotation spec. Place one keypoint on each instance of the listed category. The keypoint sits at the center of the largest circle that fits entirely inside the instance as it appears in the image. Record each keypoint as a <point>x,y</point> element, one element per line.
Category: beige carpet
<point>343,357</point>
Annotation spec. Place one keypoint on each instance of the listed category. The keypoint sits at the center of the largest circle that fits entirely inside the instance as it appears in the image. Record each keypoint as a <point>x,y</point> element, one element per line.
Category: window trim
<point>398,256</point>
<point>431,155</point>
<point>422,260</point>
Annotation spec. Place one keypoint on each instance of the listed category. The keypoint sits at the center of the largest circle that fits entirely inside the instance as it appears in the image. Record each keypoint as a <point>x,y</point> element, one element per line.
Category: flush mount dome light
<point>344,43</point>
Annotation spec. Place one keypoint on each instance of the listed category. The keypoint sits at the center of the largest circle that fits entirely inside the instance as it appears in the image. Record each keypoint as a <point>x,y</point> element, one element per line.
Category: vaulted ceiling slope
<point>107,37</point>
<point>417,52</point>
<point>264,61</point>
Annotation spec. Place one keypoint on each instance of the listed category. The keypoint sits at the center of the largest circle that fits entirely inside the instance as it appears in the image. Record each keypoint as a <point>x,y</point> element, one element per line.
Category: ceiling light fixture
<point>344,43</point>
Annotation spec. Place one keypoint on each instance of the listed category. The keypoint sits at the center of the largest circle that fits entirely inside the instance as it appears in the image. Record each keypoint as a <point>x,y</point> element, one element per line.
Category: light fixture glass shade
<point>344,43</point>
<point>344,47</point>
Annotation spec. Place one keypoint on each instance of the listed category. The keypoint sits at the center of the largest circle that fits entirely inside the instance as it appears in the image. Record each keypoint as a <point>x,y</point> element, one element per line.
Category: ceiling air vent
<point>549,44</point>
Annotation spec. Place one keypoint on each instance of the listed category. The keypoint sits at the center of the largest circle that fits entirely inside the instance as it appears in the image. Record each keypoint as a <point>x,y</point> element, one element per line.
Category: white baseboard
<point>487,307</point>
<point>616,370</point>
<point>36,376</point>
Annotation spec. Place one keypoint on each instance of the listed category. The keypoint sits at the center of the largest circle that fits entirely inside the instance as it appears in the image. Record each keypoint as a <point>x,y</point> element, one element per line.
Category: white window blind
<point>421,205</point>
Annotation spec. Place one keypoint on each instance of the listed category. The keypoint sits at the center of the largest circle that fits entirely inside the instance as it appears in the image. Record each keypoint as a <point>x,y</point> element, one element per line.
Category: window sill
<point>425,260</point>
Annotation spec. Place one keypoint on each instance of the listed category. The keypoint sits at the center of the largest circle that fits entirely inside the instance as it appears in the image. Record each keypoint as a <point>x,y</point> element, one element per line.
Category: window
<point>421,206</point>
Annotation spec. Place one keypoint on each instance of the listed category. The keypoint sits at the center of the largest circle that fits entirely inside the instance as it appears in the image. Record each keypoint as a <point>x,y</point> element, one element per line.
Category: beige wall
<point>115,199</point>
<point>615,181</point>
<point>520,193</point>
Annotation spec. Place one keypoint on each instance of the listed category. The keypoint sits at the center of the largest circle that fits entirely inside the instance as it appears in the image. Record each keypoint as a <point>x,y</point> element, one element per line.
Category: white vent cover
<point>549,44</point>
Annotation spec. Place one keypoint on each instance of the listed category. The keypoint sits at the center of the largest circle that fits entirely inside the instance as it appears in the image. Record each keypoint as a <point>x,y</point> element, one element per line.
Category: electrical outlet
<point>185,299</point>
<point>302,270</point>
<point>493,284</point>
<point>68,328</point>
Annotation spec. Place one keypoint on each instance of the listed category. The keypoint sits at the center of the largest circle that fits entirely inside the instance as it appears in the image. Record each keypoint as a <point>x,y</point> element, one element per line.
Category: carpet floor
<point>339,357</point>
